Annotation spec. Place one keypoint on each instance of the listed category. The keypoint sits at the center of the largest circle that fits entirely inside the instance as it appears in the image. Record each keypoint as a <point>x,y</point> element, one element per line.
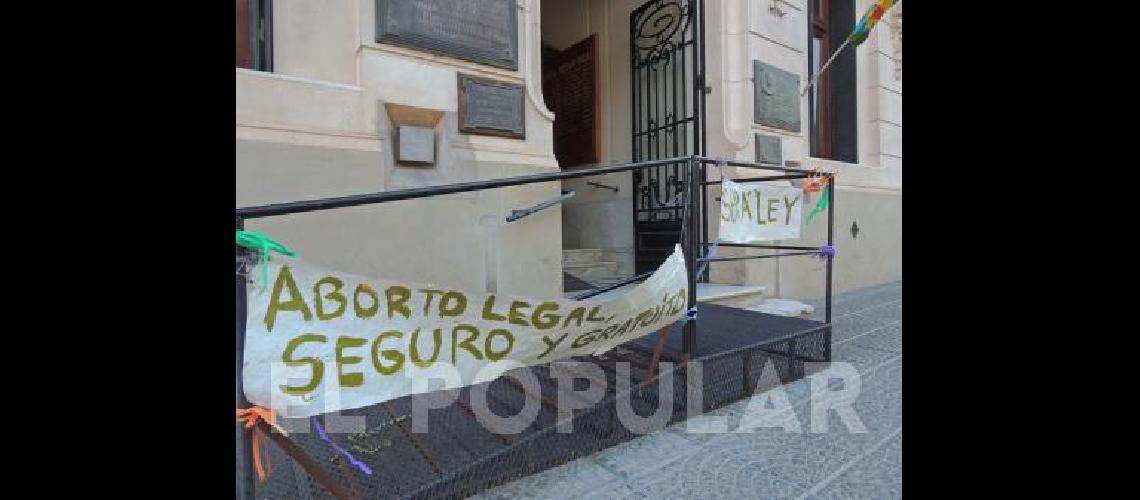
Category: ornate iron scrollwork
<point>659,22</point>
<point>666,62</point>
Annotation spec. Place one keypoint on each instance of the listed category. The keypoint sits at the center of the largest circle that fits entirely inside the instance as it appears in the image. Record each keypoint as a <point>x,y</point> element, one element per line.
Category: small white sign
<point>751,213</point>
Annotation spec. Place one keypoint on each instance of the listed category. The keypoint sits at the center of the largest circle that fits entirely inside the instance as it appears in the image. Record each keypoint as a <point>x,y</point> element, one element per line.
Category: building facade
<point>344,97</point>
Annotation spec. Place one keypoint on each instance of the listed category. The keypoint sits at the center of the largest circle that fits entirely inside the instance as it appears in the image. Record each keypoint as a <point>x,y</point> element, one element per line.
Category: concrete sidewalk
<point>766,462</point>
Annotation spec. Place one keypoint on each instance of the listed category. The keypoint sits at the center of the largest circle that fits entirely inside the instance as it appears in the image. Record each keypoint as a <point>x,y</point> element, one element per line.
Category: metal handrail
<point>760,179</point>
<point>603,186</point>
<point>272,209</point>
<point>518,214</point>
<point>294,207</point>
<point>755,165</point>
<point>613,286</point>
<point>752,257</point>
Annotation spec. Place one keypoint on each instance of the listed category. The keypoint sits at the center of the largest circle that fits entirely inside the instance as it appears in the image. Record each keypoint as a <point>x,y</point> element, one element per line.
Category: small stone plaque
<point>777,97</point>
<point>768,149</point>
<point>415,145</point>
<point>491,107</point>
<point>483,31</point>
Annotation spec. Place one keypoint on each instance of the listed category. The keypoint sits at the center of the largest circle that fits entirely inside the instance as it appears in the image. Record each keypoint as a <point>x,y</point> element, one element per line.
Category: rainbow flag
<point>866,24</point>
<point>870,19</point>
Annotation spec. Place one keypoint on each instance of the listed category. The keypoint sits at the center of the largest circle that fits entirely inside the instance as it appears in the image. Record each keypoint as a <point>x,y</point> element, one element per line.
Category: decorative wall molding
<point>736,72</point>
<point>774,8</point>
<point>531,56</point>
<point>896,40</point>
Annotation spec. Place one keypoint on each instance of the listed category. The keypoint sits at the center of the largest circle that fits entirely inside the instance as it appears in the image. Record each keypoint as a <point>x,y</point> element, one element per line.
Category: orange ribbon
<point>250,416</point>
<point>816,182</point>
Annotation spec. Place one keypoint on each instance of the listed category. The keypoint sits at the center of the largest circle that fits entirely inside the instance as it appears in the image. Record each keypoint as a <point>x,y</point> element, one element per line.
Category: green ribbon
<point>822,204</point>
<point>256,240</point>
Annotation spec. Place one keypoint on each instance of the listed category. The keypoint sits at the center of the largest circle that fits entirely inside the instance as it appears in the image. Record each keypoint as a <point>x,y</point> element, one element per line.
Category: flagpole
<point>862,29</point>
<point>825,65</point>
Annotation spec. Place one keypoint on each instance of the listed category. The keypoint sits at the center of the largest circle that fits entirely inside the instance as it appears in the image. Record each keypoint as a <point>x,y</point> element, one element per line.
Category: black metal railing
<point>603,186</point>
<point>614,286</point>
<point>693,242</point>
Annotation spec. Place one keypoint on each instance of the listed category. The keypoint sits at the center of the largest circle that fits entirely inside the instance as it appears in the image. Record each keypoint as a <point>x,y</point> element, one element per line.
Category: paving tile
<point>855,300</point>
<point>876,476</point>
<point>645,453</point>
<point>886,338</point>
<point>772,463</point>
<point>766,462</point>
<point>569,480</point>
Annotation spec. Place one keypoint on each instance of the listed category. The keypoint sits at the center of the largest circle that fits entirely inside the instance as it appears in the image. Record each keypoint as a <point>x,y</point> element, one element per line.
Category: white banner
<point>319,341</point>
<point>755,212</point>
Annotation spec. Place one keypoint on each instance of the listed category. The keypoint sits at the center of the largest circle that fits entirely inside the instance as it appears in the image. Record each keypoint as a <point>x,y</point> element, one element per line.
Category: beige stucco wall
<point>316,39</point>
<point>317,127</point>
<point>872,257</point>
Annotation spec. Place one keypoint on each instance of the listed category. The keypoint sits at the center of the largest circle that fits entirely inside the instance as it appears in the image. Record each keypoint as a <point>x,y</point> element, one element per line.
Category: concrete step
<point>579,256</point>
<point>742,296</point>
<point>574,286</point>
<point>609,280</point>
<point>592,272</point>
<point>598,283</point>
<point>785,307</point>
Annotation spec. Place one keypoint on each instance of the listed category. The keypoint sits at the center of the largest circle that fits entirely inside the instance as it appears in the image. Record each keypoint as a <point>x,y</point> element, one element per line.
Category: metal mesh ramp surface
<point>460,456</point>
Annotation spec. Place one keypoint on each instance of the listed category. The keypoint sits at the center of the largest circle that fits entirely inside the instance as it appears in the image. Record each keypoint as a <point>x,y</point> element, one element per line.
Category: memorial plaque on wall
<point>483,31</point>
<point>491,107</point>
<point>777,97</point>
<point>768,149</point>
<point>570,85</point>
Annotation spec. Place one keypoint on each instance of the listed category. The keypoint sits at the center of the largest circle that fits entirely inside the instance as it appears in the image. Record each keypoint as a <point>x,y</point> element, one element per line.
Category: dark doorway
<point>668,102</point>
<point>570,88</point>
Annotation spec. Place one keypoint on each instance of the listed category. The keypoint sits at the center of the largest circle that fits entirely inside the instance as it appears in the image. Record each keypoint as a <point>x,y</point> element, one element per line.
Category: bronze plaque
<point>777,97</point>
<point>491,107</point>
<point>768,149</point>
<point>570,86</point>
<point>483,31</point>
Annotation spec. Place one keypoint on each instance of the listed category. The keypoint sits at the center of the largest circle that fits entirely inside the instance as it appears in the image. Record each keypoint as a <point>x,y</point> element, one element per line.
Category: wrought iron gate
<point>668,103</point>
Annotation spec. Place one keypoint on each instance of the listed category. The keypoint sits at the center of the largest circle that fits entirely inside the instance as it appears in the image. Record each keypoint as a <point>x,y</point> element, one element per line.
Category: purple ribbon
<point>344,453</point>
<point>826,251</point>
